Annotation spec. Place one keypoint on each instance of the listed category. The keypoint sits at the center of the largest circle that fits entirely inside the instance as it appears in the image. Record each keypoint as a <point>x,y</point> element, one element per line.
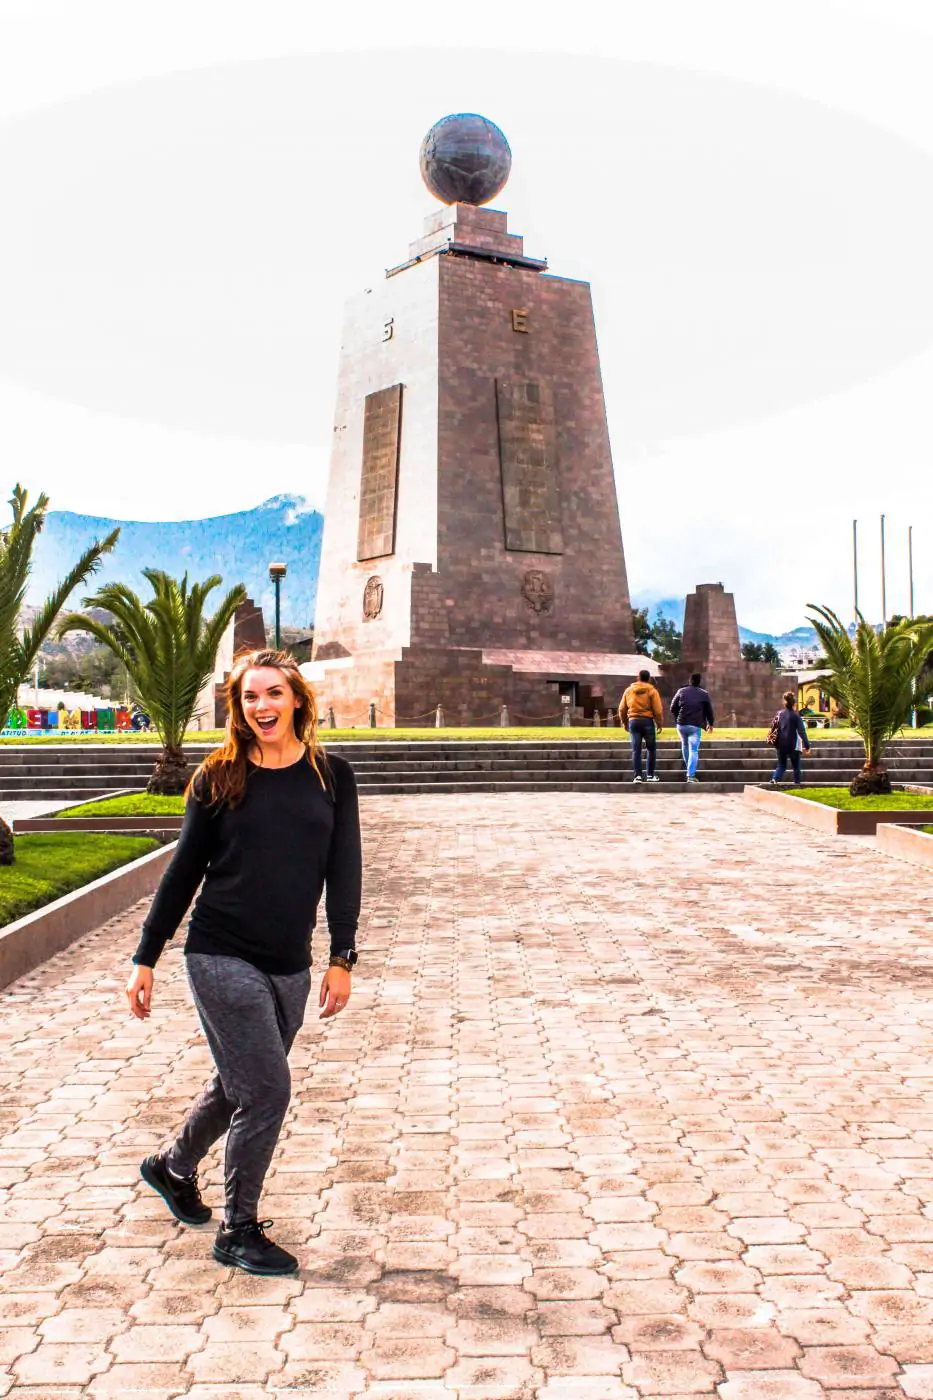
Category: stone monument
<point>472,553</point>
<point>748,690</point>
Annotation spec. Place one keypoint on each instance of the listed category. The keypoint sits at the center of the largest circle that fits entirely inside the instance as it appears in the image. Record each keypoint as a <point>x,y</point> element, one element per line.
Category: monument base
<point>471,686</point>
<point>745,694</point>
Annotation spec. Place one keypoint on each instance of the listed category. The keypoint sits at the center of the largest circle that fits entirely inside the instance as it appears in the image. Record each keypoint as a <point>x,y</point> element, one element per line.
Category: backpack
<point>774,731</point>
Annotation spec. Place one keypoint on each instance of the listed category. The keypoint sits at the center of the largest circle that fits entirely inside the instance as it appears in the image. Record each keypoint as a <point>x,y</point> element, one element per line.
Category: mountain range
<point>672,610</point>
<point>240,548</point>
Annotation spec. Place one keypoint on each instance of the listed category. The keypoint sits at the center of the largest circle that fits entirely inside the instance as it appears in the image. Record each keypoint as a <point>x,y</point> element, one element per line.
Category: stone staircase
<point>80,772</point>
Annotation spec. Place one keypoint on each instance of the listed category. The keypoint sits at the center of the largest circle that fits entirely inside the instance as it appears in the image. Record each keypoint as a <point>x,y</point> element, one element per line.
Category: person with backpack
<point>693,712</point>
<point>788,734</point>
<point>641,714</point>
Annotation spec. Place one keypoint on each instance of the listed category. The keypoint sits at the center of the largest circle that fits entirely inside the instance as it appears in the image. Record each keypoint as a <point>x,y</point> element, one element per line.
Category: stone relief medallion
<point>372,598</point>
<point>538,590</point>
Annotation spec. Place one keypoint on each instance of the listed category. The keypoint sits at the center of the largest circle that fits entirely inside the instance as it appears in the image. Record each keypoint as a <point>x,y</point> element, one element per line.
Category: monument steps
<point>400,766</point>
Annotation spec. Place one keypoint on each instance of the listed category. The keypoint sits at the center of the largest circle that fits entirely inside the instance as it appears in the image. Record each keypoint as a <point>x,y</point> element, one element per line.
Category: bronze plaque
<point>382,422</point>
<point>528,458</point>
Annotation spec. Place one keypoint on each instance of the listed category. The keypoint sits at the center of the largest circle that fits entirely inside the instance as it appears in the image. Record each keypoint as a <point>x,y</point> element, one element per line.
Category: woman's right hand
<point>139,992</point>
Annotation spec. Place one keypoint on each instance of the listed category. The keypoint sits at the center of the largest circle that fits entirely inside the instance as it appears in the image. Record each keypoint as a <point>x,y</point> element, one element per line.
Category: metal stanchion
<point>504,717</point>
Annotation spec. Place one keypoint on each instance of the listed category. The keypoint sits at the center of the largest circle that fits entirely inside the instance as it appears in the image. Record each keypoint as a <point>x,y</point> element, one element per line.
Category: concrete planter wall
<point>32,940</point>
<point>901,841</point>
<point>163,827</point>
<point>830,819</point>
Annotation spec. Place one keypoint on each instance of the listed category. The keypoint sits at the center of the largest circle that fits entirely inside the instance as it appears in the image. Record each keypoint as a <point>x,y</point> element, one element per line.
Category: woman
<point>268,822</point>
<point>789,735</point>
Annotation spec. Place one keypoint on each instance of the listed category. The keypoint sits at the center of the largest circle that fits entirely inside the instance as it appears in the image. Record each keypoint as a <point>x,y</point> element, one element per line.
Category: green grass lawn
<point>48,866</point>
<point>844,801</point>
<point>928,830</point>
<point>553,733</point>
<point>135,804</point>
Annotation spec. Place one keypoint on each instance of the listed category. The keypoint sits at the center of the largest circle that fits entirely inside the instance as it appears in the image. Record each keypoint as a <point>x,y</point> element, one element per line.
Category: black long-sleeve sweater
<point>264,864</point>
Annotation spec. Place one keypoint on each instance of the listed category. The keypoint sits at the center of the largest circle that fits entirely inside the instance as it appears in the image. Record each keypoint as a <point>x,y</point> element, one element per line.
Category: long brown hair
<point>221,778</point>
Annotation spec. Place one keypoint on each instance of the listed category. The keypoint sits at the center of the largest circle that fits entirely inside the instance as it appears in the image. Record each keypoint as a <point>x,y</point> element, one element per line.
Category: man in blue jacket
<point>693,712</point>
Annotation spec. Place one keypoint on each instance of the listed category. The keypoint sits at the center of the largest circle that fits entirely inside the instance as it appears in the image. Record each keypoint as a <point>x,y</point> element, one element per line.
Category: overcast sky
<point>191,191</point>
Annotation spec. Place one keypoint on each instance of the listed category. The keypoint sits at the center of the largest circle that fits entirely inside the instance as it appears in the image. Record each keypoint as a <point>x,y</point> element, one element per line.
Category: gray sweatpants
<point>250,1020</point>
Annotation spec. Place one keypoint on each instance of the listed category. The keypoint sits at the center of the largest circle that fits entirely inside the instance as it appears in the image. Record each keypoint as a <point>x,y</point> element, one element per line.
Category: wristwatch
<point>346,959</point>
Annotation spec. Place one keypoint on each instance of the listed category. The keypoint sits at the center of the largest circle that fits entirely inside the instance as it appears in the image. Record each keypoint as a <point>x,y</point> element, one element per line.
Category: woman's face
<point>269,704</point>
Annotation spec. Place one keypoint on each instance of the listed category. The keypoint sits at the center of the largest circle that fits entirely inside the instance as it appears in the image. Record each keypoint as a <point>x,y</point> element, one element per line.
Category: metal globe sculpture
<point>465,159</point>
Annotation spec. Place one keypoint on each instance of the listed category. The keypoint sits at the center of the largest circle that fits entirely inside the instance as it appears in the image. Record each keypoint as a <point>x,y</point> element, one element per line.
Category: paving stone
<point>917,1382</point>
<point>574,1163</point>
<point>671,1372</point>
<point>751,1348</point>
<point>847,1366</point>
<point>234,1361</point>
<point>586,1388</point>
<point>659,1332</point>
<point>770,1385</point>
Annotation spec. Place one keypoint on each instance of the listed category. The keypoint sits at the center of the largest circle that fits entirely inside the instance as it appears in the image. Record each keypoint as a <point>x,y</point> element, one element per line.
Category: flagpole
<point>910,565</point>
<point>910,558</point>
<point>884,594</point>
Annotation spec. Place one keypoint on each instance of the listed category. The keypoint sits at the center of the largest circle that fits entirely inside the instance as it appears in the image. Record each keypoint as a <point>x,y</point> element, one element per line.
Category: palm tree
<point>168,648</point>
<point>872,676</point>
<point>18,649</point>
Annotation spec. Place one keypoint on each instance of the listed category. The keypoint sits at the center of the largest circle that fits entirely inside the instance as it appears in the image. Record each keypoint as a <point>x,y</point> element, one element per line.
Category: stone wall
<point>407,689</point>
<point>585,604</point>
<point>748,690</point>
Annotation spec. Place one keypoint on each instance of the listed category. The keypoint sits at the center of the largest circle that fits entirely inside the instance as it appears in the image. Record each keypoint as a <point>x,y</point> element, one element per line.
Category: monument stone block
<point>471,490</point>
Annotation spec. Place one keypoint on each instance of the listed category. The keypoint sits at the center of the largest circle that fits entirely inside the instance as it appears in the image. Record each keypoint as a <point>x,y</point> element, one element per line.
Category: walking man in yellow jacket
<point>641,714</point>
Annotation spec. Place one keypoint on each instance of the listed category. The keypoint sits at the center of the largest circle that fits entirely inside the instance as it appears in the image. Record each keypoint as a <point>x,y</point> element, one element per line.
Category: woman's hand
<point>335,991</point>
<point>139,992</point>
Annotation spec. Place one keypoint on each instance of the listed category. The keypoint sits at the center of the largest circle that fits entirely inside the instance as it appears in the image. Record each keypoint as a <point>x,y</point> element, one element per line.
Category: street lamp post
<point>277,572</point>
<point>910,567</point>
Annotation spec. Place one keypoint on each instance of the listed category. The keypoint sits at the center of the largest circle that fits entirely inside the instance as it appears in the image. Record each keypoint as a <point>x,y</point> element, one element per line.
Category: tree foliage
<point>168,648</point>
<point>762,651</point>
<point>19,646</point>
<point>659,639</point>
<point>96,671</point>
<point>873,675</point>
<point>642,629</point>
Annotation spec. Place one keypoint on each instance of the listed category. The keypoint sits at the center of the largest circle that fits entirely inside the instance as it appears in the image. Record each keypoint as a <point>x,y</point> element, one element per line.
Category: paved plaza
<point>634,1099</point>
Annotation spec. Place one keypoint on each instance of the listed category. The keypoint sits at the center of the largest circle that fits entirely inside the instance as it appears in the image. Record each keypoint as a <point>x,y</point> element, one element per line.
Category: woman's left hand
<point>335,991</point>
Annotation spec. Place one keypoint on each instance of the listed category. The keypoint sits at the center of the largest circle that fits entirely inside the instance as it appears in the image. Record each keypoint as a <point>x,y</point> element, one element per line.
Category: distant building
<point>813,697</point>
<point>799,657</point>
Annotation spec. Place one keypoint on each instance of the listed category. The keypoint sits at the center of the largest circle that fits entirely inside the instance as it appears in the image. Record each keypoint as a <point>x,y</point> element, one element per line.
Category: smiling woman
<point>270,820</point>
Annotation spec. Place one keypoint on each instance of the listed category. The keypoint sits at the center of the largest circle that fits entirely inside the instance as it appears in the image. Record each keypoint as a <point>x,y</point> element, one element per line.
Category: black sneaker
<point>248,1247</point>
<point>180,1193</point>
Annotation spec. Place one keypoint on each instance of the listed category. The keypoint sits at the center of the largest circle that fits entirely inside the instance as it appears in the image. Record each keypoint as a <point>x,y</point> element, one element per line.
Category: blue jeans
<point>642,731</point>
<point>690,736</point>
<point>781,769</point>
